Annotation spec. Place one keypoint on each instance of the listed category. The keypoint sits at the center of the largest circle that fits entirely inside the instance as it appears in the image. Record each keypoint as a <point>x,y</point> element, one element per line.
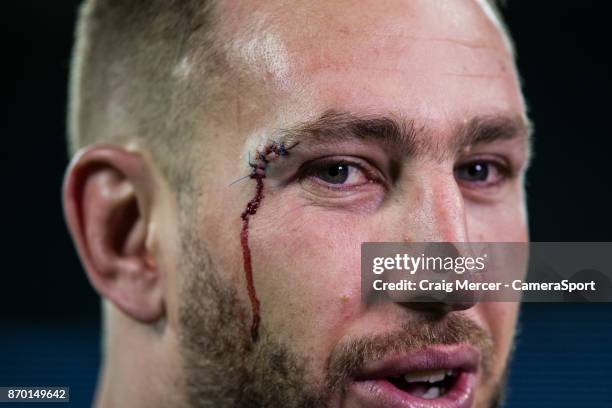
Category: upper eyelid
<point>506,177</point>
<point>505,165</point>
<point>321,163</point>
<point>371,170</point>
<point>516,162</point>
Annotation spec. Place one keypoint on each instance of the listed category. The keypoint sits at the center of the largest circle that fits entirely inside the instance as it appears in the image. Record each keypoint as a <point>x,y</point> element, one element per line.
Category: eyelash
<point>310,169</point>
<point>502,167</point>
<point>308,172</point>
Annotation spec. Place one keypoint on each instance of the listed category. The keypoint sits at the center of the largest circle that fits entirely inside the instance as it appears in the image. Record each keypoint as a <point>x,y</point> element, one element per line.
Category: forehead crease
<point>372,39</point>
<point>389,52</point>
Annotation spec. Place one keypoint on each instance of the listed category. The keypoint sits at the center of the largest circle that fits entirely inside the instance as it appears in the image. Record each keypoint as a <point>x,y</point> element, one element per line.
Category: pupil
<point>478,172</point>
<point>336,174</point>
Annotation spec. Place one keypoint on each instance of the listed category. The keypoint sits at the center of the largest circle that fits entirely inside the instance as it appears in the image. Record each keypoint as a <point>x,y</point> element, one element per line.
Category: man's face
<point>404,122</point>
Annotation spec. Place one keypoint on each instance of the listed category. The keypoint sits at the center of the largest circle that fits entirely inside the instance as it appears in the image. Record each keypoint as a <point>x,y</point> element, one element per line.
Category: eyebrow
<point>403,136</point>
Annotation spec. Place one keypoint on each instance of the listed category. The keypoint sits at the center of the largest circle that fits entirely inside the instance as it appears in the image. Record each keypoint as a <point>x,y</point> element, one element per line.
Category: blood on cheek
<point>258,173</point>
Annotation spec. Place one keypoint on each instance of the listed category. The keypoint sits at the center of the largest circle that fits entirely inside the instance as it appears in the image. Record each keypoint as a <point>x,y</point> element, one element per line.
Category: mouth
<point>436,377</point>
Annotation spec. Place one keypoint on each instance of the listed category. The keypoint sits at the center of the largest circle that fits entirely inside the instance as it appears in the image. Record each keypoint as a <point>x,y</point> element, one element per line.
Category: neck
<point>141,365</point>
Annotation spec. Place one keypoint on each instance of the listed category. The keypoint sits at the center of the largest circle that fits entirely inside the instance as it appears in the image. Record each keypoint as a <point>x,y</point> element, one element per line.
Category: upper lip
<point>462,357</point>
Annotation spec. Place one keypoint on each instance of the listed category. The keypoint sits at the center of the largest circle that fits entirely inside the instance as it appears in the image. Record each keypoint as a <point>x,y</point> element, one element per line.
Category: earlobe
<point>107,203</point>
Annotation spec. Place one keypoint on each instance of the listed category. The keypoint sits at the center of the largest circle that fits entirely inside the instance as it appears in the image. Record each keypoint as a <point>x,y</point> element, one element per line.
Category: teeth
<point>431,376</point>
<point>432,393</point>
<point>419,392</point>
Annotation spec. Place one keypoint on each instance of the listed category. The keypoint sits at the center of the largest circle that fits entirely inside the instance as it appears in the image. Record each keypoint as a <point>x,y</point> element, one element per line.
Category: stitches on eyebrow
<point>269,153</point>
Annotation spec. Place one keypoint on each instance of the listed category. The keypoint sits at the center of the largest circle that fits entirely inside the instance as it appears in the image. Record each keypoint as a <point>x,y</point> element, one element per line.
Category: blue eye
<point>474,172</point>
<point>481,173</point>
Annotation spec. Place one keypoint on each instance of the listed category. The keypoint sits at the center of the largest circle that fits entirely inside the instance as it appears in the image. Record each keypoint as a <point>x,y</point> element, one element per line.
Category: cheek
<point>499,223</point>
<point>306,262</point>
<point>499,318</point>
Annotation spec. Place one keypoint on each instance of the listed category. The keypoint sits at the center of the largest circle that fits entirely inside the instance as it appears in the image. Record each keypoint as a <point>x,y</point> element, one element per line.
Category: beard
<point>223,368</point>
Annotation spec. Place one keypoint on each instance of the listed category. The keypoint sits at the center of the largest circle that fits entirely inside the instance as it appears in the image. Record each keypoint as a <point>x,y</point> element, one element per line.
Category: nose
<point>438,216</point>
<point>446,302</point>
<point>437,211</point>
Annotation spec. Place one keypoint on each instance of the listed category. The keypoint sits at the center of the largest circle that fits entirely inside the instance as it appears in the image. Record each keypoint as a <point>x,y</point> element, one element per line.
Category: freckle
<point>345,307</point>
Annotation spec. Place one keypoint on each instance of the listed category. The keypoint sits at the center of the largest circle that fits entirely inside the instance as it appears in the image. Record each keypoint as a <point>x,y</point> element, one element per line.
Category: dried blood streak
<point>251,209</point>
<point>271,152</point>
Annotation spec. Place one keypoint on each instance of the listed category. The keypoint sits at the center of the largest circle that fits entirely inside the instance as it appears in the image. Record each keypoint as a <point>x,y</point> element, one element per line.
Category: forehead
<point>440,62</point>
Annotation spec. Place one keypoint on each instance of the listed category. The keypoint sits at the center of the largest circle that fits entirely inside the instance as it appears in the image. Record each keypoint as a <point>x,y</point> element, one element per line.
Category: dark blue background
<point>50,315</point>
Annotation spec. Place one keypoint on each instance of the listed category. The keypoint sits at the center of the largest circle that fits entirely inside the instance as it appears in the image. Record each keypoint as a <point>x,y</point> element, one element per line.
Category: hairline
<point>82,129</point>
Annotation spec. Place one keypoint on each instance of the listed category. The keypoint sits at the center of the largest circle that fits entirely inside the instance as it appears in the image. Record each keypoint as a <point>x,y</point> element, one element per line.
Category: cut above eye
<point>481,173</point>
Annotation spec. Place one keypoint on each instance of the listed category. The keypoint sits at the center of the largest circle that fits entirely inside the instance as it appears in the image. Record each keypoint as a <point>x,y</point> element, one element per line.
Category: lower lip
<point>381,393</point>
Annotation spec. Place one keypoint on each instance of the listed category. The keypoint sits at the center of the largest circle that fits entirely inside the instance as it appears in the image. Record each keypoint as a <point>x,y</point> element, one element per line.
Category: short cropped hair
<point>126,81</point>
<point>130,76</point>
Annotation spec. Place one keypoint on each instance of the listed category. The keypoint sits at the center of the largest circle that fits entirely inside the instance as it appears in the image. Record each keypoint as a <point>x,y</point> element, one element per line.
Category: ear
<point>107,204</point>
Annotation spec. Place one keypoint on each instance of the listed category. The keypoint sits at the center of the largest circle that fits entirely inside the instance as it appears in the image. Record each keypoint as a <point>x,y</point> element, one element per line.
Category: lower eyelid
<point>338,187</point>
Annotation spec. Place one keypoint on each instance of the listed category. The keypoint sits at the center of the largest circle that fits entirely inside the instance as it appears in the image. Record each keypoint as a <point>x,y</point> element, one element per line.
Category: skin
<point>438,64</point>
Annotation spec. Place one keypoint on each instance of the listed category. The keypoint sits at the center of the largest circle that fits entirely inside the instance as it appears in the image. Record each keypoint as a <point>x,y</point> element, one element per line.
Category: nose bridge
<point>440,212</point>
<point>437,214</point>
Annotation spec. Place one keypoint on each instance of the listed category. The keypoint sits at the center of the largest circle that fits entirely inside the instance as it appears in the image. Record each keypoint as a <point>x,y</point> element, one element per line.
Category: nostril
<point>436,307</point>
<point>457,306</point>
